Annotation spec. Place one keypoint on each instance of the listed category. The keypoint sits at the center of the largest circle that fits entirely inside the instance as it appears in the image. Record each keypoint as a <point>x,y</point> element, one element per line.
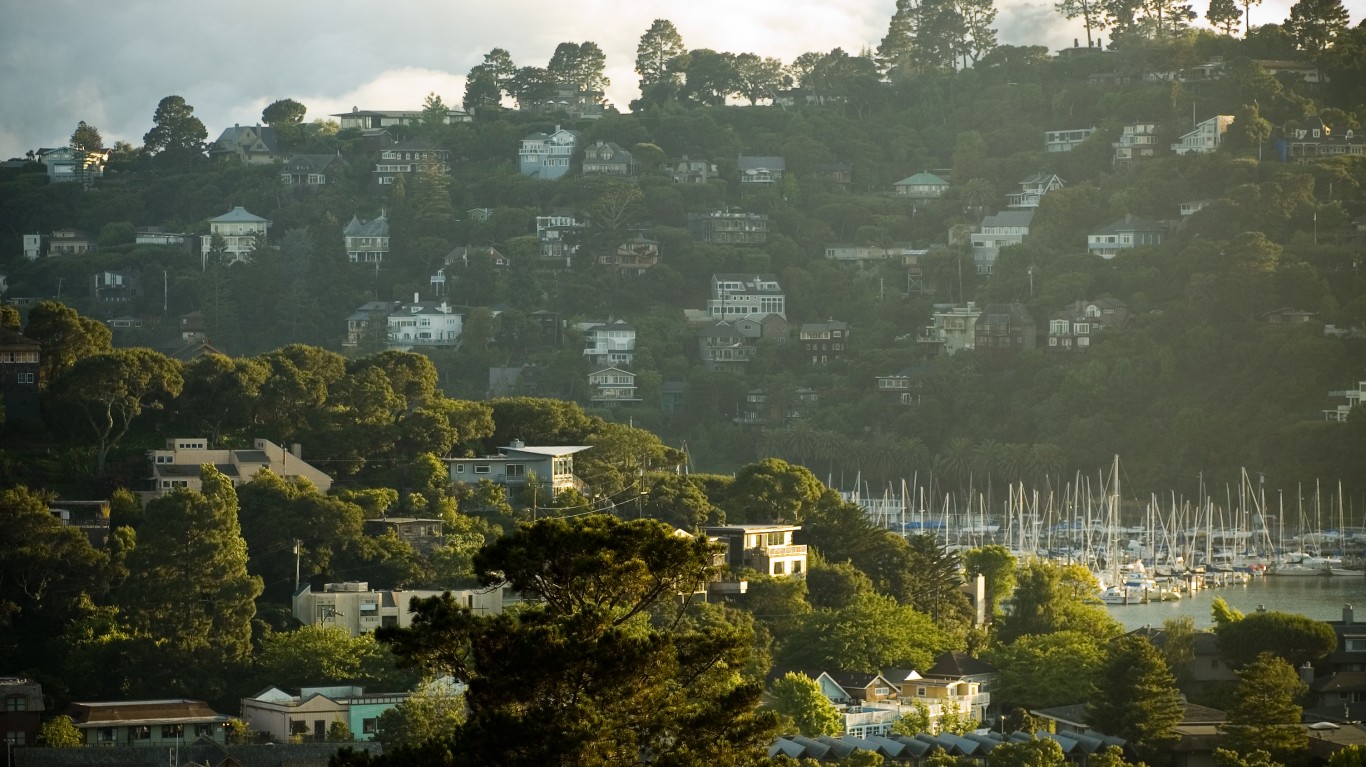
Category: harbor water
<point>1318,597</point>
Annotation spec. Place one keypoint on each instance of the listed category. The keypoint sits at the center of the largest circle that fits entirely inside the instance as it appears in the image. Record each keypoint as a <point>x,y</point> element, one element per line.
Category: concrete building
<point>357,609</point>
<point>179,464</point>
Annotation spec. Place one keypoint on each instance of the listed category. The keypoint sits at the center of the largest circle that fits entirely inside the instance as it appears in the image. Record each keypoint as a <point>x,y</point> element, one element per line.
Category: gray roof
<point>375,227</point>
<point>1009,218</point>
<point>765,162</point>
<point>922,179</point>
<point>238,133</point>
<point>238,215</point>
<point>1130,224</point>
<point>314,162</point>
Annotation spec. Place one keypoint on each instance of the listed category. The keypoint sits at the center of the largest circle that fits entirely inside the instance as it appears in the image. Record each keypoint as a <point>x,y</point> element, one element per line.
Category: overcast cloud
<point>109,63</point>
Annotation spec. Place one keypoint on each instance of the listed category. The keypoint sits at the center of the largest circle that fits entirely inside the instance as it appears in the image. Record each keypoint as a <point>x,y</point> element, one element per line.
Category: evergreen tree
<point>1315,23</point>
<point>1265,715</point>
<point>1223,14</point>
<point>1135,697</point>
<point>656,53</point>
<point>177,136</point>
<point>898,45</point>
<point>1091,13</point>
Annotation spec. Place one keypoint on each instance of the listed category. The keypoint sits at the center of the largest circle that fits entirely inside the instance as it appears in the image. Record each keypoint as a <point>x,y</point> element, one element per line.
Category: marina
<point>1320,598</point>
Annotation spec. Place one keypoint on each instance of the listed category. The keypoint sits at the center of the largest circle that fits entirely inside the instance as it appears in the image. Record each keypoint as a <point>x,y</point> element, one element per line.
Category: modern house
<point>67,164</point>
<point>546,156</point>
<point>371,119</point>
<point>952,328</point>
<point>740,295</point>
<point>179,464</point>
<point>612,386</point>
<point>609,343</point>
<point>410,158</point>
<point>921,186</point>
<point>519,465</point>
<point>239,229</point>
<point>1137,142</point>
<point>729,227</point>
<point>1071,328</point>
<point>358,609</point>
<point>164,723</point>
<point>1065,140</point>
<point>249,144</point>
<point>824,342</point>
<point>688,171</point>
<point>1206,137</point>
<point>1191,207</point>
<point>1032,191</point>
<point>115,286</point>
<point>605,158</point>
<point>1004,328</point>
<point>1129,232</point>
<point>313,171</point>
<point>60,242</point>
<point>633,257</point>
<point>766,548</point>
<point>1338,414</point>
<point>424,324</point>
<point>760,170</point>
<point>155,235</point>
<point>286,718</point>
<point>721,346</point>
<point>997,231</point>
<point>367,242</point>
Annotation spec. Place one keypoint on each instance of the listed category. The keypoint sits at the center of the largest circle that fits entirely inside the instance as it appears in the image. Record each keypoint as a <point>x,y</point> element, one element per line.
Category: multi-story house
<point>21,716</point>
<point>721,346</point>
<point>999,230</point>
<point>824,342</point>
<point>766,548</point>
<point>358,609</point>
<point>688,171</point>
<point>1206,137</point>
<point>605,158</point>
<point>285,718</point>
<point>359,323</point>
<point>239,229</point>
<point>162,723</point>
<point>69,242</point>
<point>549,469</point>
<point>367,242</point>
<point>313,171</point>
<point>740,295</point>
<point>1137,142</point>
<point>546,156</point>
<point>1340,414</point>
<point>953,328</point>
<point>155,235</point>
<point>1129,232</point>
<point>33,246</point>
<point>612,386</point>
<point>1032,191</point>
<point>729,227</point>
<point>760,170</point>
<point>906,385</point>
<point>370,119</point>
<point>410,158</point>
<point>609,343</point>
<point>633,257</point>
<point>115,287</point>
<point>250,144</point>
<point>424,535</point>
<point>555,248</point>
<point>20,358</point>
<point>1065,140</point>
<point>1004,328</point>
<point>1071,328</point>
<point>921,186</point>
<point>1316,139</point>
<point>424,324</point>
<point>849,253</point>
<point>67,164</point>
<point>179,463</point>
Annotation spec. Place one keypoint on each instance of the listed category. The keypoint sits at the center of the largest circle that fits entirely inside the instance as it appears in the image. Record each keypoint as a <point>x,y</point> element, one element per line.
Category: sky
<point>109,62</point>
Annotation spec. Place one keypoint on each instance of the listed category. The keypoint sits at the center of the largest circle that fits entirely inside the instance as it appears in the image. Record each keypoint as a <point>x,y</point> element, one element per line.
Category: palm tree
<point>977,196</point>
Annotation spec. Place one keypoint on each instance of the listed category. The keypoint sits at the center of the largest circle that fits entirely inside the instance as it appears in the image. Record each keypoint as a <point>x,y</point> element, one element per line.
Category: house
<point>124,322</point>
<point>1338,692</point>
<point>824,342</point>
<point>999,230</point>
<point>367,242</point>
<point>312,171</point>
<point>546,156</point>
<point>155,235</point>
<point>410,158</point>
<point>239,229</point>
<point>307,716</point>
<point>568,99</point>
<point>906,385</point>
<point>33,246</point>
<point>1137,142</point>
<point>1004,328</point>
<point>848,253</point>
<point>424,535</point>
<point>519,465</point>
<point>249,144</point>
<point>1286,315</point>
<point>740,295</point>
<point>371,119</point>
<point>1206,665</point>
<point>633,257</point>
<point>921,186</point>
<point>1206,137</point>
<point>1350,653</point>
<point>1065,140</point>
<point>952,328</point>
<point>760,170</point>
<point>119,286</point>
<point>358,609</point>
<point>766,548</point>
<point>1032,190</point>
<point>359,321</point>
<point>19,362</point>
<point>959,668</point>
<point>463,256</point>
<point>939,696</point>
<point>90,517</point>
<point>867,702</point>
<point>519,381</point>
<point>67,164</point>
<point>608,343</point>
<point>1338,414</point>
<point>179,463</point>
<point>1129,232</point>
<point>1316,139</point>
<point>1191,207</point>
<point>721,346</point>
<point>611,386</point>
<point>729,227</point>
<point>425,324</point>
<point>556,247</point>
<point>605,158</point>
<point>671,396</point>
<point>21,716</point>
<point>69,242</point>
<point>688,171</point>
<point>1302,70</point>
<point>161,723</point>
<point>1071,328</point>
<point>839,173</point>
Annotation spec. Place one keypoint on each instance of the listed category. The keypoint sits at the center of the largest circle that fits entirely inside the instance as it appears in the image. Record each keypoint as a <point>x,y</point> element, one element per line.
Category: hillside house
<point>67,164</point>
<point>178,464</point>
<point>374,119</point>
<point>1129,232</point>
<point>551,469</point>
<point>248,144</point>
<point>766,548</point>
<point>358,609</point>
<point>1065,140</point>
<point>605,158</point>
<point>307,716</point>
<point>1316,139</point>
<point>633,257</point>
<point>759,170</point>
<point>163,723</point>
<point>689,171</point>
<point>1340,414</point>
<point>546,155</point>
<point>1206,137</point>
<point>1004,328</point>
<point>1137,142</point>
<point>424,324</point>
<point>552,235</point>
<point>1032,191</point>
<point>740,295</point>
<point>239,229</point>
<point>424,535</point>
<point>570,100</point>
<point>1071,328</point>
<point>608,343</point>
<point>411,159</point>
<point>359,322</point>
<point>921,186</point>
<point>721,346</point>
<point>999,230</point>
<point>824,342</point>
<point>612,386</point>
<point>313,171</point>
<point>729,227</point>
<point>952,328</point>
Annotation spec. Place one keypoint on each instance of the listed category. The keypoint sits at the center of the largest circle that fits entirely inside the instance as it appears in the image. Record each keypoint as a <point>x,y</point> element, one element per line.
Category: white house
<point>953,328</point>
<point>609,343</point>
<point>546,156</point>
<point>999,230</point>
<point>740,295</point>
<point>761,170</point>
<point>1129,232</point>
<point>1354,398</point>
<point>766,548</point>
<point>1033,189</point>
<point>1065,140</point>
<point>612,385</point>
<point>1206,137</point>
<point>371,119</point>
<point>239,229</point>
<point>424,324</point>
<point>517,464</point>
<point>367,242</point>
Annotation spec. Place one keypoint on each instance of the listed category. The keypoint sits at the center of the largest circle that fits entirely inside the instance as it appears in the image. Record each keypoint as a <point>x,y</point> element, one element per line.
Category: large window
<point>16,703</point>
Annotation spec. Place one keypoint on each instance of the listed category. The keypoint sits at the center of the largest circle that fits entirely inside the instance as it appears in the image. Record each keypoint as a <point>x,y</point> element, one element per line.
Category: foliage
<point>176,135</point>
<point>1265,715</point>
<point>1178,647</point>
<point>872,633</point>
<point>65,338</point>
<point>1351,756</point>
<point>60,732</point>
<point>1050,597</point>
<point>1292,637</point>
<point>315,655</point>
<point>998,566</point>
<point>798,698</point>
<point>1135,696</point>
<point>283,112</point>
<point>106,392</point>
<point>913,722</point>
<point>1044,670</point>
<point>1036,752</point>
<point>430,713</point>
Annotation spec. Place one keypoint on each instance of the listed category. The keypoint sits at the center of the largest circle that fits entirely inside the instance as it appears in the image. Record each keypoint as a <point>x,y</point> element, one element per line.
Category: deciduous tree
<point>106,392</point>
<point>1043,670</point>
<point>798,697</point>
<point>60,732</point>
<point>1295,638</point>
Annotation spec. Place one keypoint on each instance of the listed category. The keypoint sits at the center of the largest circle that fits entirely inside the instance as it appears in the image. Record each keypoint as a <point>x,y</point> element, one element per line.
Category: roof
<point>12,338</point>
<point>315,162</point>
<point>550,451</point>
<point>1130,223</point>
<point>237,134</point>
<point>105,713</point>
<point>761,162</point>
<point>922,179</point>
<point>1342,681</point>
<point>1009,218</point>
<point>956,665</point>
<point>239,215</point>
<point>375,227</point>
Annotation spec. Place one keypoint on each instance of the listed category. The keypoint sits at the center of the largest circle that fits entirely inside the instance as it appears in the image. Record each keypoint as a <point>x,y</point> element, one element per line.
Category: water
<point>1320,598</point>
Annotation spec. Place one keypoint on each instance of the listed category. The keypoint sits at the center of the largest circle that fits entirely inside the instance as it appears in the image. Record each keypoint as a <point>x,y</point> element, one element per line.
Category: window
<point>16,703</point>
<point>481,468</point>
<point>459,468</point>
<point>203,730</point>
<point>369,726</point>
<point>139,733</point>
<point>778,568</point>
<point>105,735</point>
<point>16,737</point>
<point>1355,644</point>
<point>920,692</point>
<point>171,731</point>
<point>297,727</point>
<point>796,567</point>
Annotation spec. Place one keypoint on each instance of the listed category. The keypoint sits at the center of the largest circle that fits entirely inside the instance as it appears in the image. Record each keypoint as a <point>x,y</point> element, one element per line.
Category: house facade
<point>1032,191</point>
<point>424,535</point>
<point>164,723</point>
<point>721,346</point>
<point>1004,328</point>
<point>1065,140</point>
<point>547,155</point>
<point>359,323</point>
<point>824,342</point>
<point>1137,142</point>
<point>1129,232</point>
<point>367,242</point>
<point>424,324</point>
<point>609,343</point>
<point>689,171</point>
<point>1338,414</point>
<point>1206,137</point>
<point>286,718</point>
<point>849,253</point>
<point>1071,328</point>
<point>760,170</point>
<point>612,386</point>
<point>357,609</point>
<point>728,227</point>
<point>68,164</point>
<point>766,548</point>
<point>21,714</point>
<point>373,119</point>
<point>66,242</point>
<point>1316,139</point>
<point>517,464</point>
<point>633,257</point>
<point>554,246</point>
<point>605,158</point>
<point>740,295</point>
<point>312,171</point>
<point>409,158</point>
<point>239,229</point>
<point>20,364</point>
<point>179,463</point>
<point>999,230</point>
<point>250,144</point>
<point>953,328</point>
<point>921,186</point>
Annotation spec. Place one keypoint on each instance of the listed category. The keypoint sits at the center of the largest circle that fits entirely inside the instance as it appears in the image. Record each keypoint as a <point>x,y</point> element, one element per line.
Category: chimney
<point>1306,673</point>
<point>415,298</point>
<point>297,450</point>
<point>1347,615</point>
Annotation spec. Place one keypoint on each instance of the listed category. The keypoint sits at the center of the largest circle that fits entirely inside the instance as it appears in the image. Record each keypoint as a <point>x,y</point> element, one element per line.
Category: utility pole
<point>298,555</point>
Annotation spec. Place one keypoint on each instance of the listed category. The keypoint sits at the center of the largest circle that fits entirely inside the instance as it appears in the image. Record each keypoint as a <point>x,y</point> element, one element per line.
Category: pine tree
<point>1135,698</point>
<point>1315,23</point>
<point>1223,14</point>
<point>1265,715</point>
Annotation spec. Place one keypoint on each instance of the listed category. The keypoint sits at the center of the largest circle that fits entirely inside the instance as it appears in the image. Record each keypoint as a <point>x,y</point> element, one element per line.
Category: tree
<point>598,669</point>
<point>1050,597</point>
<point>106,392</point>
<point>284,112</point>
<point>1247,15</point>
<point>872,633</point>
<point>1351,756</point>
<point>897,49</point>
<point>1265,715</point>
<point>799,698</point>
<point>176,133</point>
<point>1036,752</point>
<point>1091,13</point>
<point>321,655</point>
<point>429,713</point>
<point>1295,638</point>
<point>339,732</point>
<point>435,113</point>
<point>913,722</point>
<point>1134,697</point>
<point>658,49</point>
<point>64,337</point>
<point>1223,14</point>
<point>188,588</point>
<point>834,586</point>
<point>1044,670</point>
<point>997,566</point>
<point>1314,24</point>
<point>60,732</point>
<point>579,64</point>
<point>1222,614</point>
<point>758,78</point>
<point>1178,646</point>
<point>708,76</point>
<point>86,138</point>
